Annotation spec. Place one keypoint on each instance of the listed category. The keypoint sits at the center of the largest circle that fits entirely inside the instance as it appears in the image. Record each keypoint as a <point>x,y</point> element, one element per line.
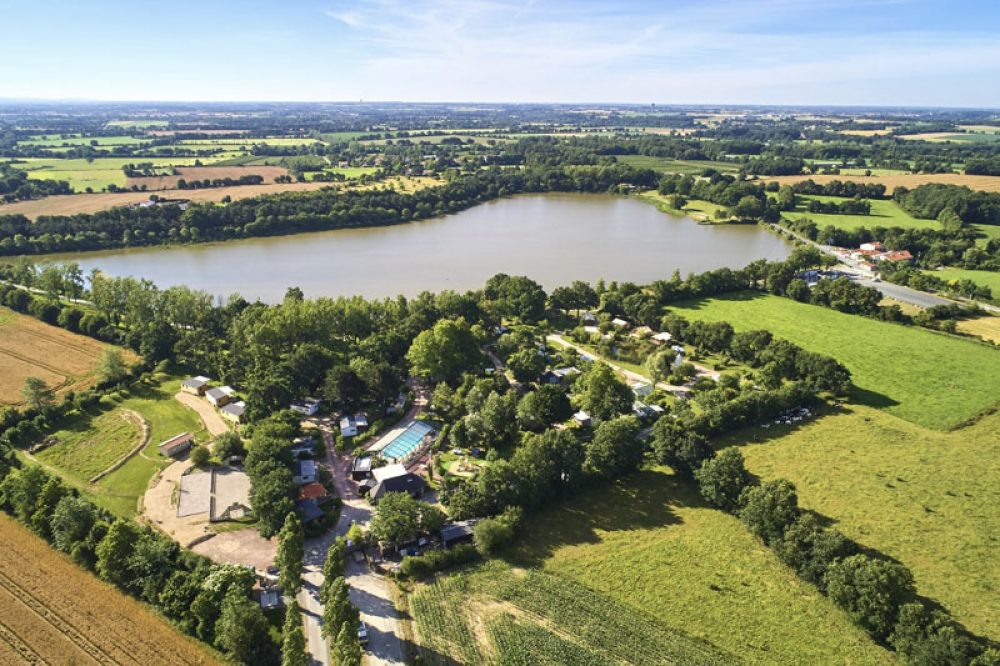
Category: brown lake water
<point>552,238</point>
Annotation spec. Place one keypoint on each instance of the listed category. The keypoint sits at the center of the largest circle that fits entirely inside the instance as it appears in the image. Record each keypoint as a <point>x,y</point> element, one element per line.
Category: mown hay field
<point>932,379</point>
<point>650,544</point>
<point>51,611</point>
<point>30,348</point>
<point>929,499</point>
<point>911,180</point>
<point>74,204</point>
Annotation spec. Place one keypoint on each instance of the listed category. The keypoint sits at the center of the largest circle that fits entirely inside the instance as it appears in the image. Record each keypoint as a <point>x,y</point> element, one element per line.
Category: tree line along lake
<point>553,238</point>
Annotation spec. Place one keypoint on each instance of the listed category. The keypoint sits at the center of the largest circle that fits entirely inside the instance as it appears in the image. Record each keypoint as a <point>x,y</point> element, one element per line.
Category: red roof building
<point>312,491</point>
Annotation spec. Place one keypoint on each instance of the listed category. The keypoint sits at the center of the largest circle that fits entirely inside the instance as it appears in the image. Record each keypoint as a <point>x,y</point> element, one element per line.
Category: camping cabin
<point>220,396</point>
<point>233,412</point>
<point>195,385</point>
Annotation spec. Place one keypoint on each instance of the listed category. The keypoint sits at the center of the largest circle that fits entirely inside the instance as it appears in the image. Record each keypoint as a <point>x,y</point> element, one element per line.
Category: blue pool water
<point>407,440</point>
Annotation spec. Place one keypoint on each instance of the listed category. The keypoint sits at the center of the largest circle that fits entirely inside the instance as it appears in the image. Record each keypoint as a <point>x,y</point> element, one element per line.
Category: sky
<point>793,52</point>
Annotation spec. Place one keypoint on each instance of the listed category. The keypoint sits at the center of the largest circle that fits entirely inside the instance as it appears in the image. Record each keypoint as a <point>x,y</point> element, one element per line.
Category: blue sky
<point>879,52</point>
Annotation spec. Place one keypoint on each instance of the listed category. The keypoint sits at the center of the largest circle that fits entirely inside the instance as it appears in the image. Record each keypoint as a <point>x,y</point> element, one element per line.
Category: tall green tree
<point>602,394</point>
<point>293,638</point>
<point>444,351</point>
<point>616,448</point>
<point>37,395</point>
<point>290,554</point>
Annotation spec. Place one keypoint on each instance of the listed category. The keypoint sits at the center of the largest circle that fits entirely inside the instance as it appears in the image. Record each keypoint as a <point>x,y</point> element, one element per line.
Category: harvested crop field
<point>30,348</point>
<point>51,611</point>
<point>268,173</point>
<point>75,204</point>
<point>910,180</point>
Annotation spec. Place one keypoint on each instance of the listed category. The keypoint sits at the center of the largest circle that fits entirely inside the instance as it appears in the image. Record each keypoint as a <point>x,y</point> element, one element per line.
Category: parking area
<point>195,495</point>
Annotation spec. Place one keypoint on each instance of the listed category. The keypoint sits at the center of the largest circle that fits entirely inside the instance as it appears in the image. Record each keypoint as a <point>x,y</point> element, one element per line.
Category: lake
<point>552,238</point>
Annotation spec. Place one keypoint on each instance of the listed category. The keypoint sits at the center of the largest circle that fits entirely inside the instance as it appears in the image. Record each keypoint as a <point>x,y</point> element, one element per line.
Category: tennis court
<point>406,441</point>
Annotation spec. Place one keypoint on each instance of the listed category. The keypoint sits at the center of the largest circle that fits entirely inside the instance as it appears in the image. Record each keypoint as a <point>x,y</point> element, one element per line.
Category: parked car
<point>362,634</point>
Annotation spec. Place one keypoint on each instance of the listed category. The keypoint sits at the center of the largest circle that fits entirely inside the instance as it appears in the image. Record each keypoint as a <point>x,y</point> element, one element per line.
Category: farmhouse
<point>306,406</point>
<point>395,479</point>
<point>305,472</point>
<point>195,385</point>
<point>220,395</point>
<point>176,445</point>
<point>894,256</point>
<point>351,425</point>
<point>234,411</point>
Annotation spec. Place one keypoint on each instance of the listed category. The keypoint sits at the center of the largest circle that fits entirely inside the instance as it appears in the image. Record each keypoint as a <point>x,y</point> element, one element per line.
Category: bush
<point>870,590</point>
<point>200,456</point>
<point>723,478</point>
<point>422,566</point>
<point>491,534</point>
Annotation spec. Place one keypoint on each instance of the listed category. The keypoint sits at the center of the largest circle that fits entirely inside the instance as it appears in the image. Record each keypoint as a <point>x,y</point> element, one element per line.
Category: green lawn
<point>697,209</point>
<point>989,279</point>
<point>531,617</point>
<point>930,499</point>
<point>119,491</point>
<point>97,173</point>
<point>932,379</point>
<point>650,544</point>
<point>49,141</point>
<point>90,442</point>
<point>987,232</point>
<point>885,213</point>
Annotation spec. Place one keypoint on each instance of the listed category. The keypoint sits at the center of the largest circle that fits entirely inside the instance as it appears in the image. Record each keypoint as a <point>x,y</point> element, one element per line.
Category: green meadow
<point>668,165</point>
<point>649,543</point>
<point>929,499</point>
<point>885,213</point>
<point>92,440</point>
<point>97,173</point>
<point>932,379</point>
<point>989,279</point>
<point>97,141</point>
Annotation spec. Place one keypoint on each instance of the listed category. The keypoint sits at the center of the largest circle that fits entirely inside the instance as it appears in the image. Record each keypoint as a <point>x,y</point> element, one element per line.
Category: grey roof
<point>308,510</point>
<point>408,483</point>
<point>363,464</point>
<point>306,468</point>
<point>195,382</point>
<point>459,530</point>
<point>235,408</point>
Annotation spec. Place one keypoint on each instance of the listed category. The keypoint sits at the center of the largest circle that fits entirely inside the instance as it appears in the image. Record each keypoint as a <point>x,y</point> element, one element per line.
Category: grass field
<point>984,183</point>
<point>649,543</point>
<point>703,211</point>
<point>87,444</point>
<point>98,173</point>
<point>30,348</point>
<point>120,490</point>
<point>932,379</point>
<point>192,173</point>
<point>52,611</point>
<point>495,614</point>
<point>989,279</point>
<point>137,123</point>
<point>667,165</point>
<point>930,499</point>
<point>885,213</point>
<point>96,141</point>
<point>350,173</point>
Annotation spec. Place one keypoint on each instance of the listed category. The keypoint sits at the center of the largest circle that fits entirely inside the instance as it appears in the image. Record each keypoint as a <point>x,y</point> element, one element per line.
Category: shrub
<point>422,566</point>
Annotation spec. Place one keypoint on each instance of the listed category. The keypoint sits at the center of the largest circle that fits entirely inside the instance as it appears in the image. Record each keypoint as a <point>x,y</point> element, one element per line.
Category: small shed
<point>176,445</point>
<point>353,424</point>
<point>583,418</point>
<point>361,468</point>
<point>306,406</point>
<point>456,533</point>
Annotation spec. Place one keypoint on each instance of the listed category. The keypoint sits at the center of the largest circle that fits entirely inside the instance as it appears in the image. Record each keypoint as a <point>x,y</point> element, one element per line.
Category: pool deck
<point>387,439</point>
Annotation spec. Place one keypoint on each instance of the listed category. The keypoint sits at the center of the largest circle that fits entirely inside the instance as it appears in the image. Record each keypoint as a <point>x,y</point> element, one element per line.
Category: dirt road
<point>215,424</point>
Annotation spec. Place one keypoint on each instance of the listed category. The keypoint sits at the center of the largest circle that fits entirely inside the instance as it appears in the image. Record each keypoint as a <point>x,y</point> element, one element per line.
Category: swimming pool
<point>406,441</point>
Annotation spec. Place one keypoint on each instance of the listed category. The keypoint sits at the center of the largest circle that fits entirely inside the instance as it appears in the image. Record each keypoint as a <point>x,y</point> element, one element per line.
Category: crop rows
<point>523,644</point>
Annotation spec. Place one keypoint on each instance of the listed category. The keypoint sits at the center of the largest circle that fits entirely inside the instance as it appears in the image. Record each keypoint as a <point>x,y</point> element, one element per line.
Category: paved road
<point>921,299</point>
<point>369,592</point>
